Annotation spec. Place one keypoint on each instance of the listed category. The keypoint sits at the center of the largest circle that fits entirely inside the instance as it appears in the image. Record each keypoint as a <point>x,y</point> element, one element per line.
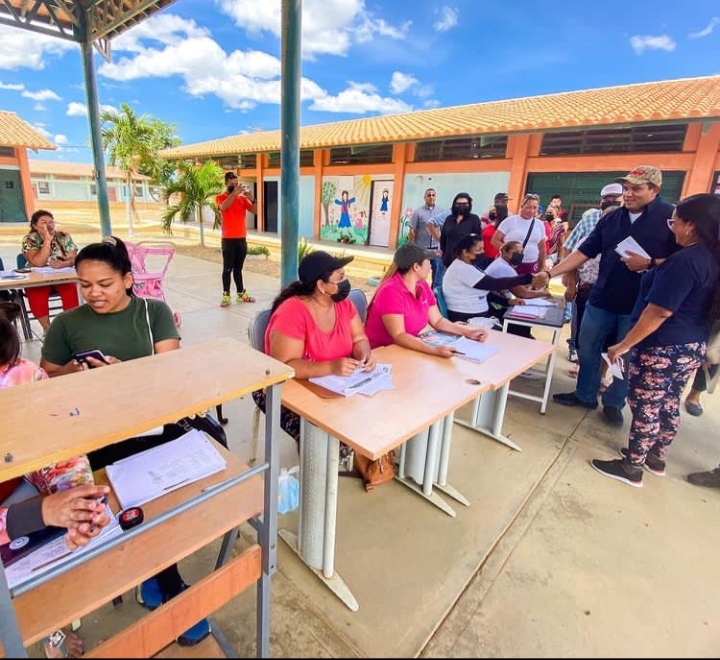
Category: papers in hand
<point>54,553</point>
<point>475,351</point>
<point>155,472</point>
<point>631,245</point>
<point>615,370</point>
<point>361,382</point>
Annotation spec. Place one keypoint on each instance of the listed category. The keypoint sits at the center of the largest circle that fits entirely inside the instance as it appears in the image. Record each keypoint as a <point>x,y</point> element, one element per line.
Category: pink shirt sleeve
<point>4,538</point>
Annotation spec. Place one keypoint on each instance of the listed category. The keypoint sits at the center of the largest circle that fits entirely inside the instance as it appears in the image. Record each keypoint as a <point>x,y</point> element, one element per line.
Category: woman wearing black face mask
<point>315,329</point>
<point>459,223</point>
<point>466,288</point>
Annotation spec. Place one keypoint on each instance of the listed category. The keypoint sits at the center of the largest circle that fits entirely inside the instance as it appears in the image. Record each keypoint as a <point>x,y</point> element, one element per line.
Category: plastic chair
<point>256,336</point>
<point>150,261</point>
<point>359,299</point>
<point>440,301</point>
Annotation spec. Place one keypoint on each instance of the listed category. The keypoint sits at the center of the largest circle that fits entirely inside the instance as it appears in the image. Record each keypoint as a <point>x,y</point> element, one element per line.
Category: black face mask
<point>461,209</point>
<point>516,259</point>
<point>607,205</point>
<point>231,188</point>
<point>342,292</point>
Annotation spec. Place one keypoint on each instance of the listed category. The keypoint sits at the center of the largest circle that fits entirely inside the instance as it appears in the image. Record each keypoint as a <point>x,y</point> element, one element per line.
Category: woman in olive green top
<point>123,327</point>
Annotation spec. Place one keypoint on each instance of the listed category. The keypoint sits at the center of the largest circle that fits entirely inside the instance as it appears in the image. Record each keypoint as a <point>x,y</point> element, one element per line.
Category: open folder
<point>155,472</point>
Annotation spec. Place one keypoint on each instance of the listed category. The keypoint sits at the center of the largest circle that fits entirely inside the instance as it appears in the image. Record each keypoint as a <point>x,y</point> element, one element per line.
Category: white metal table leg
<point>489,414</point>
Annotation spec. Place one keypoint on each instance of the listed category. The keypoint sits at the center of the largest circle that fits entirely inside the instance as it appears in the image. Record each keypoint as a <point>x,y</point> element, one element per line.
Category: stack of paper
<point>155,472</point>
<point>468,349</point>
<point>361,382</point>
<point>49,270</point>
<point>10,275</point>
<point>53,553</point>
<point>630,245</point>
<point>529,311</point>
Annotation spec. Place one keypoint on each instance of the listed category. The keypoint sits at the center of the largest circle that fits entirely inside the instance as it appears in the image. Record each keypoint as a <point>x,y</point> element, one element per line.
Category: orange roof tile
<point>14,132</point>
<point>671,100</point>
<point>76,169</point>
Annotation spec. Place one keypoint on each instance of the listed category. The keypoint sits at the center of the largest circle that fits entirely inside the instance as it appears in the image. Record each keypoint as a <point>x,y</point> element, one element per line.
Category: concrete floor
<point>550,560</point>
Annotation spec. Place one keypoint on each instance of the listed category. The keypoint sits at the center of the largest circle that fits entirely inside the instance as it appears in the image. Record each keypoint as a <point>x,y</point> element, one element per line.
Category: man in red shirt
<point>233,205</point>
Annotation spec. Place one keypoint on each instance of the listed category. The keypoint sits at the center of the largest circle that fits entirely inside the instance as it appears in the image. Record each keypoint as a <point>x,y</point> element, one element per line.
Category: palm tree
<point>129,143</point>
<point>195,187</point>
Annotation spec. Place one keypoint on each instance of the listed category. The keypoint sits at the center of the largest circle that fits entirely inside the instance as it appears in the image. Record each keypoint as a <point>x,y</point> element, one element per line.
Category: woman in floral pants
<point>679,299</point>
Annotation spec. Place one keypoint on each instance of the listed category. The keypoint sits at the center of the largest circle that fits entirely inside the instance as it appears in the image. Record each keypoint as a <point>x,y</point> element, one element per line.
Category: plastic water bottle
<point>288,490</point>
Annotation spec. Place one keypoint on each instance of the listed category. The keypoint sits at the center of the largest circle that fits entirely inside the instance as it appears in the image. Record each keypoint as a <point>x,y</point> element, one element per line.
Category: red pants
<point>39,298</point>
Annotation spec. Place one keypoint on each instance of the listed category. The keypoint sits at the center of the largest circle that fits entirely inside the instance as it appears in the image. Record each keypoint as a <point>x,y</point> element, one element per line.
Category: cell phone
<point>82,356</point>
<point>27,269</point>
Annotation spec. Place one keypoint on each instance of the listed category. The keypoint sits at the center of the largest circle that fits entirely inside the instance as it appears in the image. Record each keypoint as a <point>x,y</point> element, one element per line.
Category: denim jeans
<point>597,324</point>
<point>438,271</point>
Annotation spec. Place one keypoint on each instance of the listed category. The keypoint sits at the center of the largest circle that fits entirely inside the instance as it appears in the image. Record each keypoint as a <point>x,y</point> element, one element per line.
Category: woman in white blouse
<point>527,230</point>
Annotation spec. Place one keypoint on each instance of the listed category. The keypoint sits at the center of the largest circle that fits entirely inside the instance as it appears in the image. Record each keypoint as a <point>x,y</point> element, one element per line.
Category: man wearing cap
<point>500,198</point>
<point>644,218</point>
<point>578,282</point>
<point>425,227</point>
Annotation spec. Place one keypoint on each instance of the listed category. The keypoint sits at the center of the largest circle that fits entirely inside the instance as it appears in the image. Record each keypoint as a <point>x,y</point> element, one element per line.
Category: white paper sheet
<point>361,382</point>
<point>616,369</point>
<point>468,349</point>
<point>631,245</point>
<point>155,472</point>
<point>49,270</point>
<point>55,553</point>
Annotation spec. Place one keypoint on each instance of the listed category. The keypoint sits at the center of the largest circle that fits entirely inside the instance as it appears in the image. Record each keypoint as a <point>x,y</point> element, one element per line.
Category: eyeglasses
<point>670,222</point>
<point>532,196</point>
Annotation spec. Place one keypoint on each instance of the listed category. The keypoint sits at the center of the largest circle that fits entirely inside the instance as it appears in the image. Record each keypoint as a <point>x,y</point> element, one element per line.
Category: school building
<point>360,180</point>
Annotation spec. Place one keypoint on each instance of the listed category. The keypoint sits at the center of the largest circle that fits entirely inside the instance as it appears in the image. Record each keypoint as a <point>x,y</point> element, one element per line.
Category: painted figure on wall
<point>384,201</point>
<point>344,203</point>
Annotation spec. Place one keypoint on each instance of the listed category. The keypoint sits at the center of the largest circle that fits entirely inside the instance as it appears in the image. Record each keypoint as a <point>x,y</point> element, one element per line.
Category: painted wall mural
<point>348,206</point>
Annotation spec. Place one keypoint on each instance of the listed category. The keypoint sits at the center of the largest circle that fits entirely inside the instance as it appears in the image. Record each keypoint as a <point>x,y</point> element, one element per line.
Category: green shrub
<point>304,248</point>
<point>259,249</point>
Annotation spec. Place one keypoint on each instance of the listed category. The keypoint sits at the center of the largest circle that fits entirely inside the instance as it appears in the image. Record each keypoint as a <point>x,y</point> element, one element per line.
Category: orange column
<point>25,182</point>
<point>401,153</point>
<point>518,149</point>
<point>260,192</point>
<point>699,178</point>
<point>318,164</point>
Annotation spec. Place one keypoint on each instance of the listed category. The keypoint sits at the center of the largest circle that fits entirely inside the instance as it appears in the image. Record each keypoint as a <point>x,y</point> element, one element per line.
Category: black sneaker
<point>616,470</point>
<point>613,415</point>
<point>570,399</point>
<point>709,479</point>
<point>653,464</point>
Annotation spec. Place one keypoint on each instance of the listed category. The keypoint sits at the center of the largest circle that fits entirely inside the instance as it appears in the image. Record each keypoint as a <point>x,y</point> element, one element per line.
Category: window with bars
<point>462,148</point>
<point>8,152</point>
<point>361,154</point>
<point>639,139</point>
<point>306,158</point>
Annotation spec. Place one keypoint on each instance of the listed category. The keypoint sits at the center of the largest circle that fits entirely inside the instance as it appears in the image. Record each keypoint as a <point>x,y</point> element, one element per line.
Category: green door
<point>12,204</point>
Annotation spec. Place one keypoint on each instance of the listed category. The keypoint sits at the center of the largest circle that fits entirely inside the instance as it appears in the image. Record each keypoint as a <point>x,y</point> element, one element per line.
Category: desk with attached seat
<point>147,393</point>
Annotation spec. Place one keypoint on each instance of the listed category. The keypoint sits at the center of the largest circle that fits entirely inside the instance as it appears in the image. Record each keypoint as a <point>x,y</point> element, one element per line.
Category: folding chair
<point>440,301</point>
<point>359,299</point>
<point>256,336</point>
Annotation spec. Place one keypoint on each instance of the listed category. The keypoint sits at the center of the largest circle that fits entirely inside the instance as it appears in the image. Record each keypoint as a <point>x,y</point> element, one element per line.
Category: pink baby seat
<point>150,261</point>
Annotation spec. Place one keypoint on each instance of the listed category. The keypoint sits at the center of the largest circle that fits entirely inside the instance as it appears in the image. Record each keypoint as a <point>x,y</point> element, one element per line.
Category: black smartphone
<point>26,269</point>
<point>82,356</point>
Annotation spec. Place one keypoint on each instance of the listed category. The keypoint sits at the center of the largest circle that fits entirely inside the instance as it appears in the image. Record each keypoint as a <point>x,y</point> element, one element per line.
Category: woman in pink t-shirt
<point>315,329</point>
<point>404,305</point>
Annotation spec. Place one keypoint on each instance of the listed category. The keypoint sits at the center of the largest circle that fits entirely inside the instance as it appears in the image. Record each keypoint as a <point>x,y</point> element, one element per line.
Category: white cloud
<point>401,82</point>
<point>448,18</point>
<point>21,48</point>
<point>166,29</point>
<point>646,42</point>
<point>12,86</point>
<point>40,128</point>
<point>360,98</point>
<point>61,139</point>
<point>39,107</point>
<point>42,95</point>
<point>328,26</point>
<point>715,21</point>
<point>76,109</point>
<point>242,79</point>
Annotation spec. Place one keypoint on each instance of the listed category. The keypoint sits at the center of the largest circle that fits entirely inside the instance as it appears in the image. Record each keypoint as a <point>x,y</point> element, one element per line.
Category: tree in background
<point>132,143</point>
<point>329,192</point>
<point>193,187</point>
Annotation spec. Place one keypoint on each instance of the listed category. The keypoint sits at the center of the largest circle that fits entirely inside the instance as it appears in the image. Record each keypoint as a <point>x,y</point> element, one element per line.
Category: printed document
<point>361,382</point>
<point>615,370</point>
<point>155,472</point>
<point>469,349</point>
<point>631,245</point>
<point>49,270</point>
<point>54,553</point>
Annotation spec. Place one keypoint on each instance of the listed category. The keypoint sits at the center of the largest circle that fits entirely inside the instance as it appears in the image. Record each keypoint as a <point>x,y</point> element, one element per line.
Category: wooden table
<point>420,410</point>
<point>80,412</point>
<point>31,280</point>
<point>516,355</point>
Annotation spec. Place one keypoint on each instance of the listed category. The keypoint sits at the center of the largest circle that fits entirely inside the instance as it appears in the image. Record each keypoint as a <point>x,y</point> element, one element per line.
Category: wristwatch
<point>652,262</point>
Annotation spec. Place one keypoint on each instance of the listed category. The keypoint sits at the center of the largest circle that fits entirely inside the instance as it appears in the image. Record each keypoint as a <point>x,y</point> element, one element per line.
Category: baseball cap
<point>643,174</point>
<point>410,254</point>
<point>501,195</point>
<point>318,263</point>
<point>612,189</point>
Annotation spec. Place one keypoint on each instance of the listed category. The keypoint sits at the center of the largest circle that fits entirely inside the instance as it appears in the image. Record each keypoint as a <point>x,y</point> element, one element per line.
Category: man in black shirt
<point>644,219</point>
<point>459,223</point>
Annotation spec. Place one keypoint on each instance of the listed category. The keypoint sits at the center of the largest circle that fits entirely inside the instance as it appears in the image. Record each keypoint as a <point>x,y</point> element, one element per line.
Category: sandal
<point>63,644</point>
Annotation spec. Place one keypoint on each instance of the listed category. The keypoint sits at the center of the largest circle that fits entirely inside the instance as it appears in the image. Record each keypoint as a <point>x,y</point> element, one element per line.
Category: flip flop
<point>694,409</point>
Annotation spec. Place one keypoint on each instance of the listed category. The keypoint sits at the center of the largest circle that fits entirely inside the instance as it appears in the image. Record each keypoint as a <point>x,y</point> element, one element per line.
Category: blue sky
<point>212,67</point>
